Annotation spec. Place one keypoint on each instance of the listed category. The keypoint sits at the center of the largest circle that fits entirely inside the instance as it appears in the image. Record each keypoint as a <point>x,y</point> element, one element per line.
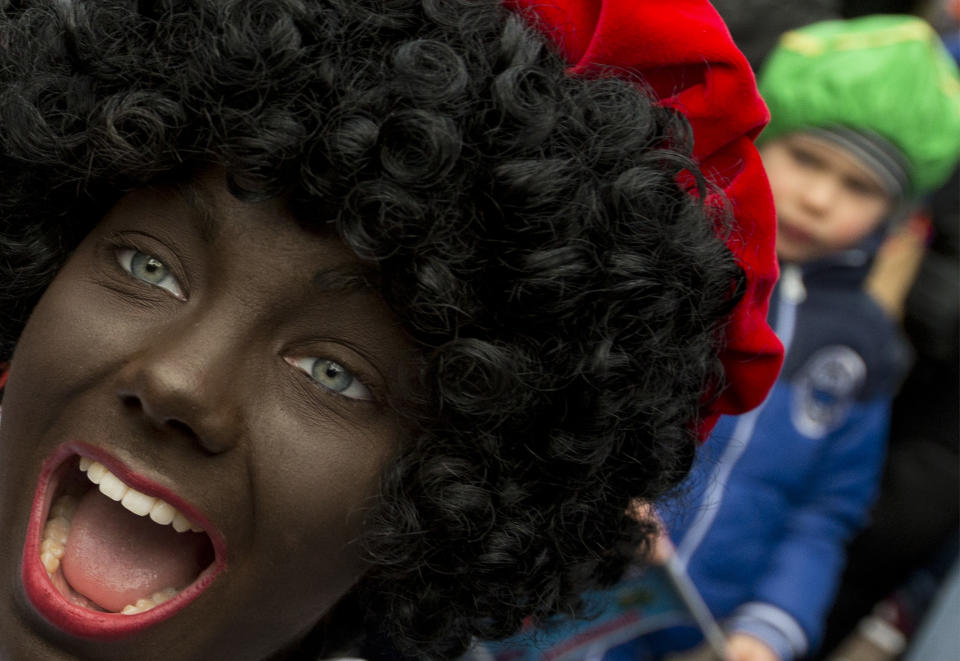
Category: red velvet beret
<point>684,51</point>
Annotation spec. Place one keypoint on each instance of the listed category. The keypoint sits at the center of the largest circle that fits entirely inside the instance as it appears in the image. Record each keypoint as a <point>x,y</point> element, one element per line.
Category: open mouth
<point>109,553</point>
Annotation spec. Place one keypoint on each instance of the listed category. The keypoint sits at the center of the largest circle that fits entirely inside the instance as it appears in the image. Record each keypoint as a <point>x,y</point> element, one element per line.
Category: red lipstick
<point>78,620</point>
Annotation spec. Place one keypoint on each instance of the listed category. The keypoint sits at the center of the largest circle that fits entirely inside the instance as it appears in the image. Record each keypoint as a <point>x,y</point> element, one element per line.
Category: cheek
<point>53,344</point>
<point>67,342</point>
<point>773,166</point>
<point>314,493</point>
<point>785,179</point>
<point>319,501</point>
<point>856,220</point>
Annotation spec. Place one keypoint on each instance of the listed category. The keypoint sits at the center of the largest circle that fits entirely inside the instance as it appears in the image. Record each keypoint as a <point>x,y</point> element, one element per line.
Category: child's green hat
<point>883,85</point>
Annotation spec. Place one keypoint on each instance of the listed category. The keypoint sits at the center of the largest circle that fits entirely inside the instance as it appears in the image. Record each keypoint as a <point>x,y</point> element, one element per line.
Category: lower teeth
<point>147,603</point>
<point>55,533</point>
<point>52,547</point>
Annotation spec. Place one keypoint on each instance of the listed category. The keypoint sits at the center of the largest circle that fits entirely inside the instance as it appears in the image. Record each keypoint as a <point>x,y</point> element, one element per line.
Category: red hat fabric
<point>685,53</point>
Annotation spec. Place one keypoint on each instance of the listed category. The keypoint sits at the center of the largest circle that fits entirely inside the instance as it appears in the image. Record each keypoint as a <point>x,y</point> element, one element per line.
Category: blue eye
<point>149,269</point>
<point>332,376</point>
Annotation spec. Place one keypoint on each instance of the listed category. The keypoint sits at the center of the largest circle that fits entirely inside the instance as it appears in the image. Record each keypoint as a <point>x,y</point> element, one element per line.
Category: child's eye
<point>332,376</point>
<point>861,187</point>
<point>803,157</point>
<point>149,269</point>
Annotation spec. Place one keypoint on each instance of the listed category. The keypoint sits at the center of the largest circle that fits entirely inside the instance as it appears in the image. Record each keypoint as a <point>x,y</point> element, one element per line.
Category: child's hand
<point>662,547</point>
<point>743,647</point>
<point>897,263</point>
<point>740,647</point>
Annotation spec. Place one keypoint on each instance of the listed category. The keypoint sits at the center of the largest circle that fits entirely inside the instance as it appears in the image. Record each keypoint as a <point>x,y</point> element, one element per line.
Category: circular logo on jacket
<point>824,390</point>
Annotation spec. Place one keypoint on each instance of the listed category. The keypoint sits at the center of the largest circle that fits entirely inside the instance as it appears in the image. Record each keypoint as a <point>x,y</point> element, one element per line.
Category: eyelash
<point>860,188</point>
<point>309,365</point>
<point>804,158</point>
<point>127,256</point>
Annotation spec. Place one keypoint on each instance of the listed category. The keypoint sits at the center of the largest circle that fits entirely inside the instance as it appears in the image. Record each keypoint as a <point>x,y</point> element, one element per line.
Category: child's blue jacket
<point>776,493</point>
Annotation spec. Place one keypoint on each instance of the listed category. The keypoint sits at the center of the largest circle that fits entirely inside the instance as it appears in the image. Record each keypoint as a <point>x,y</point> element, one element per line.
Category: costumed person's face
<point>210,364</point>
<point>826,198</point>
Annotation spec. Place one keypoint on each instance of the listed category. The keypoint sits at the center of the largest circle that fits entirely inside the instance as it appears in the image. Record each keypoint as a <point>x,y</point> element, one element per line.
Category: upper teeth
<point>141,504</point>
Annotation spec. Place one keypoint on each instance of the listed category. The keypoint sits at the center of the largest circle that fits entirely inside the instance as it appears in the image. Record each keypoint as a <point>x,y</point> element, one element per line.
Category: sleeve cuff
<point>772,625</point>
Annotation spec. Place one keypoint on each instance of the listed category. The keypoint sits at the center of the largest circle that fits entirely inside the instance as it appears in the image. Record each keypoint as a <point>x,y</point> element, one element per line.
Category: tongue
<point>114,557</point>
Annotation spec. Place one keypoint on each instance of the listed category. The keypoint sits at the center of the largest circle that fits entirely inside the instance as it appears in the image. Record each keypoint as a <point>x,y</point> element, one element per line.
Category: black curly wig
<point>542,237</point>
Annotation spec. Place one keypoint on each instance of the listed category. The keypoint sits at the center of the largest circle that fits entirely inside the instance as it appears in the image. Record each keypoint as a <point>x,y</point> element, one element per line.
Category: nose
<point>819,193</point>
<point>182,383</point>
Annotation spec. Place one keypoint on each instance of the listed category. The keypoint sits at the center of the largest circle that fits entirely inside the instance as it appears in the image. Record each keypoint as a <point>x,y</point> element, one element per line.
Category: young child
<point>865,119</point>
<point>354,327</point>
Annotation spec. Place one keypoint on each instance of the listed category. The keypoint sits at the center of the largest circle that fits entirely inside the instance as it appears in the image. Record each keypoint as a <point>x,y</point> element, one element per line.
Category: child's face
<point>826,198</point>
<point>220,356</point>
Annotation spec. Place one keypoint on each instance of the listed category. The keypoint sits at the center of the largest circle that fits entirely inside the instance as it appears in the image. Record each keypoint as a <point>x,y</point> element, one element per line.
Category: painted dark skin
<point>199,384</point>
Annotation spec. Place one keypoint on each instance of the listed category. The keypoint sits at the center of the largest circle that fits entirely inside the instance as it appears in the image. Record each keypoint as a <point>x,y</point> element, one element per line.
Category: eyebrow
<point>353,278</point>
<point>207,224</point>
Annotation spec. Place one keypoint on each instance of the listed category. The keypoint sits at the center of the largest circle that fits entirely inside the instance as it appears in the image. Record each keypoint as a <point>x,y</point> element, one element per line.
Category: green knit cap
<point>886,76</point>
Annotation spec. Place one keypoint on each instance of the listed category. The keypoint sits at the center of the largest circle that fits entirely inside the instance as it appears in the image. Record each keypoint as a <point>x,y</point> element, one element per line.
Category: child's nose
<point>819,193</point>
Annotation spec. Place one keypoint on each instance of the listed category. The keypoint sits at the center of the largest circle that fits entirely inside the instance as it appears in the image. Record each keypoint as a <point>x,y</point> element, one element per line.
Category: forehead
<point>204,206</point>
<point>836,158</point>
